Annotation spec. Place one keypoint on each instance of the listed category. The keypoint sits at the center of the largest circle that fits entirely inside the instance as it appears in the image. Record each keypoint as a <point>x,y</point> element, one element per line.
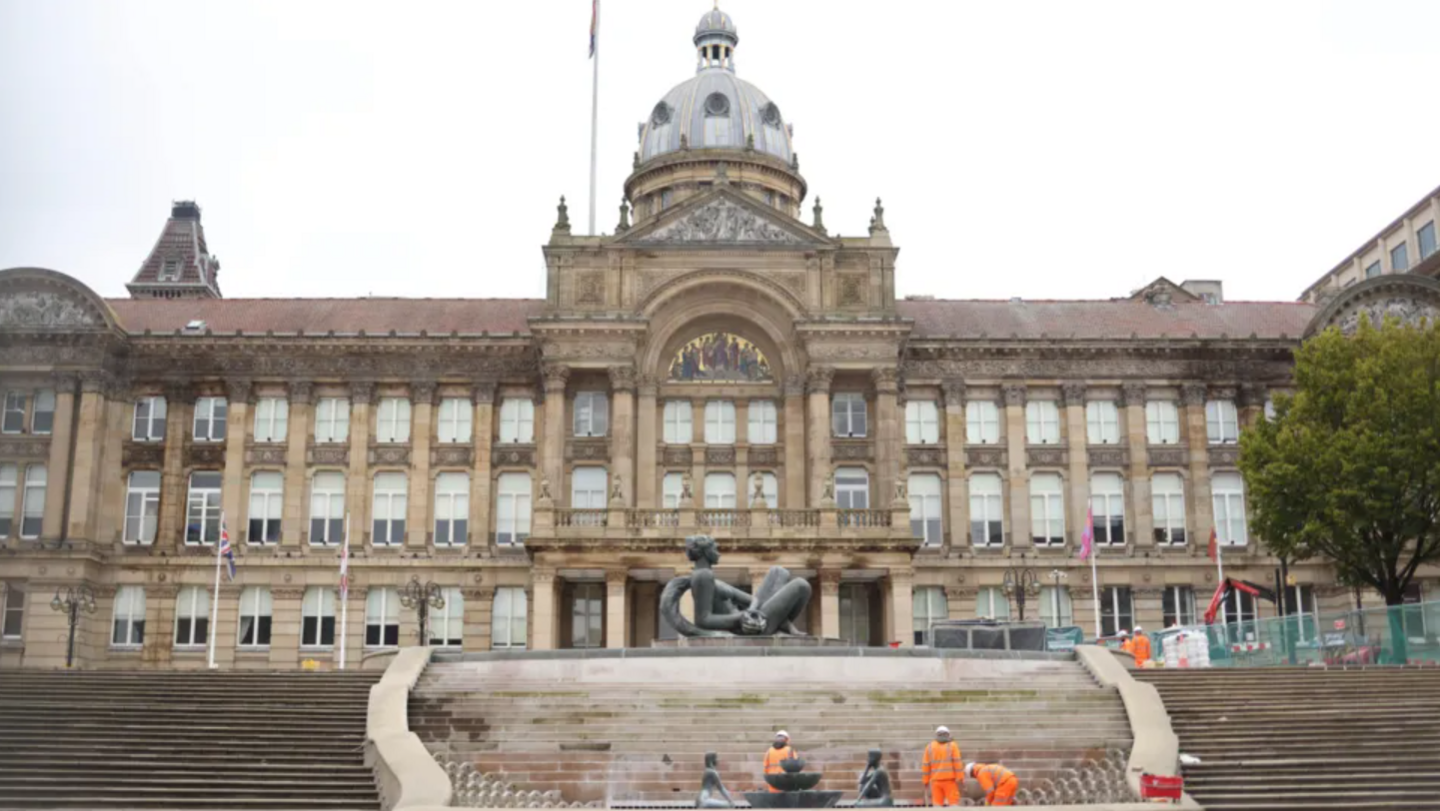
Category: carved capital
<point>794,385</point>
<point>94,382</point>
<point>886,379</point>
<point>556,376</point>
<point>422,391</point>
<point>648,386</point>
<point>65,382</point>
<point>239,390</point>
<point>1193,394</point>
<point>1072,394</point>
<point>954,390</point>
<point>484,391</point>
<point>301,391</point>
<point>622,378</point>
<point>1015,394</point>
<point>830,581</point>
<point>541,576</point>
<point>179,391</point>
<point>1132,394</point>
<point>818,379</point>
<point>1222,393</point>
<point>616,577</point>
<point>1252,395</point>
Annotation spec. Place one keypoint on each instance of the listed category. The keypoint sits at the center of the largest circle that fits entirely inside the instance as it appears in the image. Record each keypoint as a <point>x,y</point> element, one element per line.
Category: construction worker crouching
<point>998,782</point>
<point>1140,647</point>
<point>1126,643</point>
<point>780,749</point>
<point>941,770</point>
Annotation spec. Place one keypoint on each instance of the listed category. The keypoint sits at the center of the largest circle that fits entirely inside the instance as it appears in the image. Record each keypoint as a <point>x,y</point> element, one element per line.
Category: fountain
<point>793,789</point>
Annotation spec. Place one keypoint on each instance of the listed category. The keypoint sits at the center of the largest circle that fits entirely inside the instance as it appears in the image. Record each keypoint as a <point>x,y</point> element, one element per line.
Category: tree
<point>1349,468</point>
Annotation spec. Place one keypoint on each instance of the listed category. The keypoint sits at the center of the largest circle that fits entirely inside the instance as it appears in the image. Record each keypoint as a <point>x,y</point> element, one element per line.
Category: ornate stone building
<point>718,365</point>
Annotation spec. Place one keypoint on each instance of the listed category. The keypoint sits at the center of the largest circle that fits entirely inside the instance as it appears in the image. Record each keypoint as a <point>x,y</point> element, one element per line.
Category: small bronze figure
<point>874,785</point>
<point>712,789</point>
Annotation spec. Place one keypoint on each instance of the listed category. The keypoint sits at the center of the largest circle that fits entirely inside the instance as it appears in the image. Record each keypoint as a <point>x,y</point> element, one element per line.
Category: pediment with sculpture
<point>37,299</point>
<point>723,218</point>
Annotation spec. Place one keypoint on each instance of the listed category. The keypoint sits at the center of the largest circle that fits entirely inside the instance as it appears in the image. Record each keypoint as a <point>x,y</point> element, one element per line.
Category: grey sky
<point>1040,149</point>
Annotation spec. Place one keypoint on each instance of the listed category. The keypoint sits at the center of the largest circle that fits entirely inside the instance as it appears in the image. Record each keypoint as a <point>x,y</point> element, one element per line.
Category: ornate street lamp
<point>422,598</point>
<point>1020,583</point>
<point>76,599</point>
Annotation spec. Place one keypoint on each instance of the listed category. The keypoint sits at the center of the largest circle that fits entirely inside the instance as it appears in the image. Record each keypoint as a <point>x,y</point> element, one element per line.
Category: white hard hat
<point>1138,629</point>
<point>783,734</point>
<point>1124,632</point>
<point>941,729</point>
<point>969,769</point>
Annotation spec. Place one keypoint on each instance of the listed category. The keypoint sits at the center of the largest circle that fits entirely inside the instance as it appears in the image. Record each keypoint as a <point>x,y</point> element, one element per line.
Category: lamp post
<point>422,598</point>
<point>1020,583</point>
<point>76,599</point>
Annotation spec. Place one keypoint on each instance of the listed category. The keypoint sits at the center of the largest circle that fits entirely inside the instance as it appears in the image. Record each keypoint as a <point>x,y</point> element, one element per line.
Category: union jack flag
<point>594,27</point>
<point>226,551</point>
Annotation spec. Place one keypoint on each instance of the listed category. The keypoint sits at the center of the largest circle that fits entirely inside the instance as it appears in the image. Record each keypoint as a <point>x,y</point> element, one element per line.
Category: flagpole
<point>215,596</point>
<point>594,116</point>
<point>1095,589</point>
<point>1220,560</point>
<point>344,590</point>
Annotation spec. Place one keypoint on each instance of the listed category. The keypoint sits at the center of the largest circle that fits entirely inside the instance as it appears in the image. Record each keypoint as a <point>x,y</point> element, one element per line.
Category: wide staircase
<point>175,740</point>
<point>1296,738</point>
<point>644,741</point>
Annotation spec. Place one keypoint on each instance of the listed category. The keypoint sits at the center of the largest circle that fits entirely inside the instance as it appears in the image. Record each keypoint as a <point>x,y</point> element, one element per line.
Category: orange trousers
<point>1004,794</point>
<point>944,792</point>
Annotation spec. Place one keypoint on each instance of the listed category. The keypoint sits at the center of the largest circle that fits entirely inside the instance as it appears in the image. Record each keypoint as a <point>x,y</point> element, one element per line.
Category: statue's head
<point>874,757</point>
<point>711,760</point>
<point>699,547</point>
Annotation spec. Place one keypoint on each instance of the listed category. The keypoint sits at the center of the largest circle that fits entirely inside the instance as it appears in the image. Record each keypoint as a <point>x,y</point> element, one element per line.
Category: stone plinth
<point>714,642</point>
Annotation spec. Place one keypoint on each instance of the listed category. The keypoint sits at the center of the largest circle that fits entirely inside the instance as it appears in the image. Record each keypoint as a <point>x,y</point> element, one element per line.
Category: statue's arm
<point>702,589</point>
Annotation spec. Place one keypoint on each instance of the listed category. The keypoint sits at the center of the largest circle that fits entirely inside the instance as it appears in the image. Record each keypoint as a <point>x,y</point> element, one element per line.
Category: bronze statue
<point>723,610</point>
<point>874,785</point>
<point>712,790</point>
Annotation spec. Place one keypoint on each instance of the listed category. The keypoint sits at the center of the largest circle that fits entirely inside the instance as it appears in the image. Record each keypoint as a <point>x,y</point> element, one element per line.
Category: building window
<point>9,490</point>
<point>1162,422</point>
<point>764,422</point>
<point>1426,237</point>
<point>267,505</point>
<point>255,608</point>
<point>720,491</point>
<point>452,509</point>
<point>847,414</point>
<point>1238,606</point>
<point>1300,599</point>
<point>1372,270</point>
<point>43,420</point>
<point>32,516</point>
<point>1167,502</point>
<point>210,415</point>
<point>930,607</point>
<point>142,507</point>
<point>922,422</point>
<point>677,429</point>
<point>852,488</point>
<point>517,420</point>
<point>587,615</point>
<point>388,509</point>
<point>855,613</point>
<point>987,524</point>
<point>512,509</point>
<point>272,419</point>
<point>1047,509</point>
<point>1222,423</point>
<point>382,618</point>
<point>1042,422</point>
<point>507,619</point>
<point>446,624</point>
<point>587,488</point>
<point>592,413</point>
<point>149,420</point>
<point>332,420</point>
<point>392,422</point>
<point>128,627</point>
<point>327,508</point>
<point>769,488</point>
<point>1400,258</point>
<point>1117,611</point>
<point>1107,507</point>
<point>455,417</point>
<point>670,489</point>
<point>1177,605</point>
<point>982,423</point>
<point>13,421</point>
<point>1102,422</point>
<point>1055,608</point>
<point>925,508</point>
<point>1229,499</point>
<point>192,617</point>
<point>992,604</point>
<point>720,422</point>
<point>12,611</point>
<point>317,618</point>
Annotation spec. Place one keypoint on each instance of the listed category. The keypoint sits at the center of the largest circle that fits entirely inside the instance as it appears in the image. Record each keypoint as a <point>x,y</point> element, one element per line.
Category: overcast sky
<point>1038,149</point>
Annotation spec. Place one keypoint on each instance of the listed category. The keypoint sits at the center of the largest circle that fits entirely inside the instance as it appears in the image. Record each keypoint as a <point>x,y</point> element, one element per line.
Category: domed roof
<point>716,23</point>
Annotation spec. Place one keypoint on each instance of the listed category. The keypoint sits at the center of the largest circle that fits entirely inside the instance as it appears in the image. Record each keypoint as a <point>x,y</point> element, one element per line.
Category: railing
<point>864,519</point>
<point>581,518</point>
<point>722,518</point>
<point>644,519</point>
<point>793,518</point>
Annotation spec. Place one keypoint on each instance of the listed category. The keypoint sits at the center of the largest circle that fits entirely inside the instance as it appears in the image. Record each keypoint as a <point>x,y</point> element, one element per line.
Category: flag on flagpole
<point>1087,538</point>
<point>594,26</point>
<point>1214,550</point>
<point>226,551</point>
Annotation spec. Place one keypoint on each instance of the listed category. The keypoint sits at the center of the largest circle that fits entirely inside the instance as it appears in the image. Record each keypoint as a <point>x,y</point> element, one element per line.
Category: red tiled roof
<point>376,316</point>
<point>1115,319</point>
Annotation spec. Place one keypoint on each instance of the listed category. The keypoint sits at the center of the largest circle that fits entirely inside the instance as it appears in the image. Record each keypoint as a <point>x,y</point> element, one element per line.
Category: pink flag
<point>1087,538</point>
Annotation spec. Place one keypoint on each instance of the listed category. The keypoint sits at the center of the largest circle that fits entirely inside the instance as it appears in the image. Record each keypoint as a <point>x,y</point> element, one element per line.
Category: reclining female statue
<point>721,609</point>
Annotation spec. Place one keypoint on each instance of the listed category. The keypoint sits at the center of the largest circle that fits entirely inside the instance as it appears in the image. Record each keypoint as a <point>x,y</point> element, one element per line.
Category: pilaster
<point>1019,474</point>
<point>57,469</point>
<point>617,615</point>
<point>1138,443</point>
<point>233,503</point>
<point>956,489</point>
<point>481,485</point>
<point>300,399</point>
<point>357,486</point>
<point>417,510</point>
<point>479,613</point>
<point>85,489</point>
<point>817,383</point>
<point>179,403</point>
<point>888,424</point>
<point>646,473</point>
<point>622,430</point>
<point>793,435</point>
<point>544,620</point>
<point>902,607</point>
<point>1199,511</point>
<point>1077,497</point>
<point>552,444</point>
<point>830,603</point>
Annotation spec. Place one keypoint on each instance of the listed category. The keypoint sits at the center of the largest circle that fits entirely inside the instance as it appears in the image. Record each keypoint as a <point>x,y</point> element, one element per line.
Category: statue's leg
<point>775,579</point>
<point>786,606</point>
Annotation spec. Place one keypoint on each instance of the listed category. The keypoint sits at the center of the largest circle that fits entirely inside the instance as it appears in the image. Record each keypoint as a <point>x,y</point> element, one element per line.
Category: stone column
<point>160,616</point>
<point>285,622</point>
<point>119,416</point>
<point>417,510</point>
<point>233,487</point>
<point>479,612</point>
<point>888,432</point>
<point>617,614</point>
<point>1138,443</point>
<point>1077,497</point>
<point>902,607</point>
<point>1199,512</point>
<point>794,495</point>
<point>85,488</point>
<point>544,618</point>
<point>817,383</point>
<point>298,434</point>
<point>830,603</point>
<point>357,486</point>
<point>956,490</point>
<point>742,454</point>
<point>960,601</point>
<point>1019,473</point>
<point>57,469</point>
<point>645,443</point>
<point>170,535</point>
<point>552,442</point>
<point>1251,400</point>
<point>622,431</point>
<point>481,486</point>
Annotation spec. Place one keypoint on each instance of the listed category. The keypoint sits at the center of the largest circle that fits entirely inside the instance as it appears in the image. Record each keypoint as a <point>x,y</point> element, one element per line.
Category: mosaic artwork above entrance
<point>720,357</point>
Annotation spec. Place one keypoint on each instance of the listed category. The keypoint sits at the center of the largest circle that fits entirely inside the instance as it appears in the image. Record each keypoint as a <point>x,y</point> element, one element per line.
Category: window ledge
<point>317,649</point>
<point>127,650</point>
<point>12,643</point>
<point>188,650</point>
<point>253,651</point>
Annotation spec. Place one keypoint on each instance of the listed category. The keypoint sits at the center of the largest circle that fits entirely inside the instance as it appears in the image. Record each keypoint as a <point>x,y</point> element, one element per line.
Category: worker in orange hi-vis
<point>780,749</point>
<point>1140,646</point>
<point>1126,643</point>
<point>998,782</point>
<point>941,769</point>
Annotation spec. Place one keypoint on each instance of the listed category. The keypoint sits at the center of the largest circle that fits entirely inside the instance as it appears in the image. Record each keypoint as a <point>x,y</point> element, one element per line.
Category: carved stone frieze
<point>328,455</point>
<point>268,454</point>
<point>389,455</point>
<point>851,451</point>
<point>45,309</point>
<point>720,221</point>
<point>676,456</point>
<point>987,456</point>
<point>1408,311</point>
<point>1224,455</point>
<point>859,349</point>
<point>768,456</point>
<point>1168,456</point>
<point>590,288</point>
<point>228,357</point>
<point>1222,393</point>
<point>1046,456</point>
<point>1109,456</point>
<point>595,449</point>
<point>1059,362</point>
<point>205,454</point>
<point>851,289</point>
<point>452,456</point>
<point>930,456</point>
<point>721,456</point>
<point>52,355</point>
<point>24,447</point>
<point>141,454</point>
<point>512,455</point>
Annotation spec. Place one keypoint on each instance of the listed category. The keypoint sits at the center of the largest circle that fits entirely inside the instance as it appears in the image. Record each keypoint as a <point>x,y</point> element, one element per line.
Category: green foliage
<point>1349,468</point>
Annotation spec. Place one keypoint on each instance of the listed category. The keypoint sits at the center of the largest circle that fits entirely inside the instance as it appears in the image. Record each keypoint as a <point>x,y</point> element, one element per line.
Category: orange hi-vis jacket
<point>942,762</point>
<point>773,757</point>
<point>993,776</point>
<point>1141,648</point>
<point>1128,645</point>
